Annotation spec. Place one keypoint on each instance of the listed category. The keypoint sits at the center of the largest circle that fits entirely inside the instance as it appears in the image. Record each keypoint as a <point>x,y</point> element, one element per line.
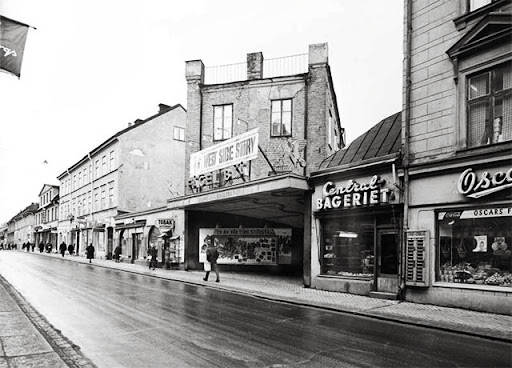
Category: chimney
<point>163,108</point>
<point>255,65</point>
<point>318,54</point>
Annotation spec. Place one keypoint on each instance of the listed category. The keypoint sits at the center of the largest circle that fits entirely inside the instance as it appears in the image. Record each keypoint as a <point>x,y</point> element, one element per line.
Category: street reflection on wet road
<point>121,319</point>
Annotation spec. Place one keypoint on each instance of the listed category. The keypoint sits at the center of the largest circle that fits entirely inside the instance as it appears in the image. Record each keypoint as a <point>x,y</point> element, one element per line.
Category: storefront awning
<point>130,226</point>
<point>277,198</point>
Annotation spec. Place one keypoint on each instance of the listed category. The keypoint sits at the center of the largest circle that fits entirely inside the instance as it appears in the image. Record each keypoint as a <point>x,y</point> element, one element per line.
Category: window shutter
<point>417,268</point>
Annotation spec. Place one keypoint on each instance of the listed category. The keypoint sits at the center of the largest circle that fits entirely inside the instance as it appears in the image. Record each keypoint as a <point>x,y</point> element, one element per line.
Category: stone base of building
<point>337,284</point>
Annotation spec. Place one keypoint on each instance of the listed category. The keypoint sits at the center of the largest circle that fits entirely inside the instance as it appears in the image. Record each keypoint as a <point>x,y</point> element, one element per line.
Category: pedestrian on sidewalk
<point>90,252</point>
<point>71,249</point>
<point>153,252</point>
<point>117,253</point>
<point>32,246</point>
<point>63,248</point>
<point>211,261</point>
<point>49,247</point>
<point>41,247</point>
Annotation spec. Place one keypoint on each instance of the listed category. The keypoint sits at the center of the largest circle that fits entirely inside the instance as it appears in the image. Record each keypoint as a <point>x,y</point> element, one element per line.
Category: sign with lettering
<point>219,178</point>
<point>165,223</point>
<point>476,213</point>
<point>472,186</point>
<point>243,147</point>
<point>353,194</point>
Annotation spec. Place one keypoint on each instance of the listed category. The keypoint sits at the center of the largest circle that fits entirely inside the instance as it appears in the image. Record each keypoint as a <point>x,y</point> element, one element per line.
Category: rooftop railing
<point>277,67</point>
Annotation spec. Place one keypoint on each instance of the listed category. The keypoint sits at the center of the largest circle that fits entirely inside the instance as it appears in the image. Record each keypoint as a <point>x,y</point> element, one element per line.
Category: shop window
<point>281,124</point>
<point>347,247</point>
<point>490,106</point>
<point>474,247</point>
<point>222,122</point>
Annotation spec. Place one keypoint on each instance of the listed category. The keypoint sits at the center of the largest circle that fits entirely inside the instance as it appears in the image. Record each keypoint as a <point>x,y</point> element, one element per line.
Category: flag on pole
<point>13,36</point>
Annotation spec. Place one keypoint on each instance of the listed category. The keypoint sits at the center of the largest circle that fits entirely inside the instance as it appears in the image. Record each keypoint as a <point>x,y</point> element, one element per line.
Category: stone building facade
<point>457,137</point>
<point>136,169</point>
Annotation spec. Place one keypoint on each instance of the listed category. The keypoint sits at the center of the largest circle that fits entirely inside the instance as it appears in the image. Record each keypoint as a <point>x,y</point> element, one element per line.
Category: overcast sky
<point>91,67</point>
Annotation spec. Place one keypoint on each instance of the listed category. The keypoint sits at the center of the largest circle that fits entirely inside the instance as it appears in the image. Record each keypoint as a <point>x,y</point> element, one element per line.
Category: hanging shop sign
<point>472,186</point>
<point>354,194</point>
<point>165,223</point>
<point>243,147</point>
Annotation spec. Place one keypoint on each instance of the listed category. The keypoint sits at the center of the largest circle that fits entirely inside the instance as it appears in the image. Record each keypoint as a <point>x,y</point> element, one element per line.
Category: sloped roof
<point>381,140</point>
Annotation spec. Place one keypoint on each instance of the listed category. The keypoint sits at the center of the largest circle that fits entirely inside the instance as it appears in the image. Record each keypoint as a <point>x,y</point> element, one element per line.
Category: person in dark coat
<point>211,256</point>
<point>71,249</point>
<point>63,248</point>
<point>49,247</point>
<point>32,246</point>
<point>41,247</point>
<point>153,253</point>
<point>117,253</point>
<point>90,252</point>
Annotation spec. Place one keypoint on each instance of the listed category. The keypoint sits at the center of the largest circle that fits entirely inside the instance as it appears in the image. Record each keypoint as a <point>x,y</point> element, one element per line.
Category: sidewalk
<point>291,290</point>
<point>28,340</point>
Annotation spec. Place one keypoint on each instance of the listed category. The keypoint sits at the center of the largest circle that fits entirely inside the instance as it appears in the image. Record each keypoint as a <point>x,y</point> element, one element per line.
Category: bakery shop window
<point>474,246</point>
<point>347,247</point>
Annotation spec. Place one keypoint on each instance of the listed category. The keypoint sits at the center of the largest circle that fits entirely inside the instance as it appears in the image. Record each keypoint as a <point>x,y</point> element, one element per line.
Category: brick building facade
<point>293,117</point>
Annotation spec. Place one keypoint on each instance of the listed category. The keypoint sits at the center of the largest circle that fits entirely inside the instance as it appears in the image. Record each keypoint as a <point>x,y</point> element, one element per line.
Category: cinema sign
<point>243,147</point>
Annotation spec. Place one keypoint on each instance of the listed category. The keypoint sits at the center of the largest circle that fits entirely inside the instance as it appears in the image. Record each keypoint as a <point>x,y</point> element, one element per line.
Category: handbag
<point>207,266</point>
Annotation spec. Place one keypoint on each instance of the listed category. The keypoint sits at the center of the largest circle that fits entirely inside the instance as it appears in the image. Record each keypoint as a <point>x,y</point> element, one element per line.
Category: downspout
<point>92,195</point>
<point>406,125</point>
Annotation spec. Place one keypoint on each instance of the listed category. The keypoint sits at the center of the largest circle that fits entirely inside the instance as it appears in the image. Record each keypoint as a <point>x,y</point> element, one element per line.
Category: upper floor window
<point>490,106</point>
<point>179,133</point>
<point>112,161</point>
<point>85,176</point>
<point>97,169</point>
<point>104,165</point>
<point>476,4</point>
<point>281,118</point>
<point>222,122</point>
<point>79,179</point>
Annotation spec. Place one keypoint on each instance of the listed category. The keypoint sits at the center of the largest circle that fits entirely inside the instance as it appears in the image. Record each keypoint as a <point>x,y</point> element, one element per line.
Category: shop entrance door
<point>136,240</point>
<point>387,265</point>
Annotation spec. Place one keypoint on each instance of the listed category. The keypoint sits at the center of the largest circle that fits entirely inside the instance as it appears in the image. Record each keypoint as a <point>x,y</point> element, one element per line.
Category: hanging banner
<point>13,36</point>
<point>243,147</point>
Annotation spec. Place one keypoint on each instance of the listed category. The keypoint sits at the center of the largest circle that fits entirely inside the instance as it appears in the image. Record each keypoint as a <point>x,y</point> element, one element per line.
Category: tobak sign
<point>243,147</point>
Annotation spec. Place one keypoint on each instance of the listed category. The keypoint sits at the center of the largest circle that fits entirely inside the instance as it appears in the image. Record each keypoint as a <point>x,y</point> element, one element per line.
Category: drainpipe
<point>92,195</point>
<point>407,121</point>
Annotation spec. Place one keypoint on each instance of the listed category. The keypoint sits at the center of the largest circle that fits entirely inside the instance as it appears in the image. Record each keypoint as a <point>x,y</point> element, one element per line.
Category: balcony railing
<point>277,67</point>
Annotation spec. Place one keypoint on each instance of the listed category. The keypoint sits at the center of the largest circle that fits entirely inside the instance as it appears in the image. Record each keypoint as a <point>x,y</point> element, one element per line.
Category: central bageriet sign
<point>353,194</point>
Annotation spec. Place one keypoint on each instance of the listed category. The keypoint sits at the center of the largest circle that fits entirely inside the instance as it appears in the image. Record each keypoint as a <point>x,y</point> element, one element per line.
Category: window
<point>222,122</point>
<point>474,248</point>
<point>490,106</point>
<point>96,203</point>
<point>79,179</point>
<point>85,176</point>
<point>74,182</point>
<point>179,133</point>
<point>104,165</point>
<point>103,198</point>
<point>97,169</point>
<point>111,196</point>
<point>112,161</point>
<point>281,118</point>
<point>347,247</point>
<point>476,4</point>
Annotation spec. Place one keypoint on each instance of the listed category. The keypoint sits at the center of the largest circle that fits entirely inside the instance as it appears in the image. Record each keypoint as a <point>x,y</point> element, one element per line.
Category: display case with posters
<point>248,246</point>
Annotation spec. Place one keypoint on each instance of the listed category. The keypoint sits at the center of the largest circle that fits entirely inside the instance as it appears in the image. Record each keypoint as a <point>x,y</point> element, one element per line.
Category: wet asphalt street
<point>121,319</point>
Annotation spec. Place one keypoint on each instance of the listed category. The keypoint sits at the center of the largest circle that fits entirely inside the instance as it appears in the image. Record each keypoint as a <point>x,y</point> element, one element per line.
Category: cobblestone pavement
<point>27,340</point>
<point>292,290</point>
